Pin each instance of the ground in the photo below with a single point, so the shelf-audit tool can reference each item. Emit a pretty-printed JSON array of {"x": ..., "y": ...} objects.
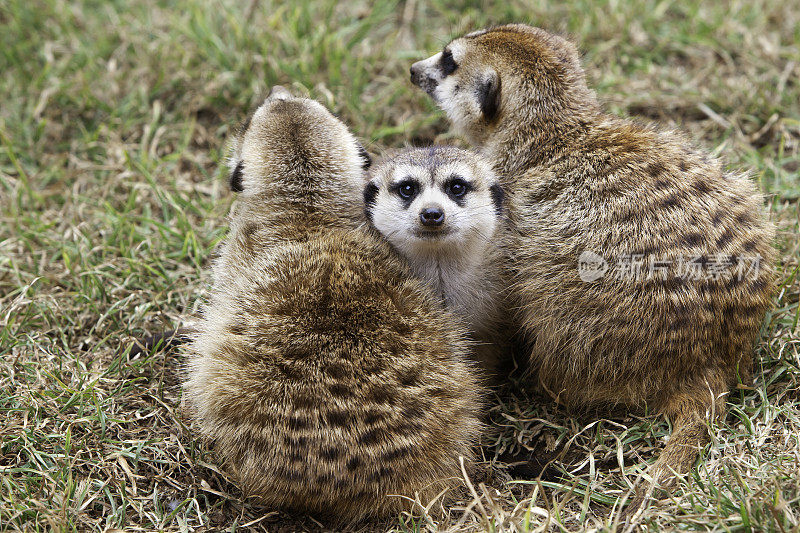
[{"x": 112, "y": 131}]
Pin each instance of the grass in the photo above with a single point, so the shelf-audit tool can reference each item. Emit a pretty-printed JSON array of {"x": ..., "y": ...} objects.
[{"x": 112, "y": 128}]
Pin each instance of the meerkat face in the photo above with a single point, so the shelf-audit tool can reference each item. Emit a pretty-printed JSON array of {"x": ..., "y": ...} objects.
[
  {"x": 478, "y": 76},
  {"x": 438, "y": 200},
  {"x": 463, "y": 85},
  {"x": 294, "y": 144}
]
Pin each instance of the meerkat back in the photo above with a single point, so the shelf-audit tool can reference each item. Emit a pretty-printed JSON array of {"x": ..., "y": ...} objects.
[{"x": 330, "y": 379}]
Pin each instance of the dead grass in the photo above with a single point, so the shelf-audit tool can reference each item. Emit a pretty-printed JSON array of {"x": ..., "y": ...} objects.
[{"x": 113, "y": 119}]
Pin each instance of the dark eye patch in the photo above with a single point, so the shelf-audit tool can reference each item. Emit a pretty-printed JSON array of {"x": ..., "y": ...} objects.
[
  {"x": 489, "y": 97},
  {"x": 457, "y": 188},
  {"x": 407, "y": 190},
  {"x": 447, "y": 63},
  {"x": 235, "y": 179}
]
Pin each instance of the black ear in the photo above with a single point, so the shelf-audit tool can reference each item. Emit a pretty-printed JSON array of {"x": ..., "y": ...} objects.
[
  {"x": 365, "y": 157},
  {"x": 370, "y": 192},
  {"x": 489, "y": 96},
  {"x": 235, "y": 179},
  {"x": 497, "y": 197}
]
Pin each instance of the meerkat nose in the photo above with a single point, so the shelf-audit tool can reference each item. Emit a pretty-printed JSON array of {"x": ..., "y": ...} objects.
[
  {"x": 431, "y": 216},
  {"x": 415, "y": 74}
]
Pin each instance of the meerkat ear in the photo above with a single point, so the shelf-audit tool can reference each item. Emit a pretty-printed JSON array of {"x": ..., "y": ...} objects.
[
  {"x": 489, "y": 95},
  {"x": 365, "y": 157},
  {"x": 235, "y": 179},
  {"x": 370, "y": 193},
  {"x": 498, "y": 195}
]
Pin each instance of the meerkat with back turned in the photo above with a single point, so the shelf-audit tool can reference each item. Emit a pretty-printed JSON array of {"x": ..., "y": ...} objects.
[
  {"x": 677, "y": 332},
  {"x": 331, "y": 380},
  {"x": 442, "y": 209}
]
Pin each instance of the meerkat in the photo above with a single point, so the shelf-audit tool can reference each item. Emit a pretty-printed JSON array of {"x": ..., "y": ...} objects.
[
  {"x": 331, "y": 380},
  {"x": 442, "y": 209},
  {"x": 591, "y": 197}
]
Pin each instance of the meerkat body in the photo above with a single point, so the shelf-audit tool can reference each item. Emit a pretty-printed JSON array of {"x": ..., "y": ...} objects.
[
  {"x": 442, "y": 209},
  {"x": 331, "y": 380},
  {"x": 591, "y": 188}
]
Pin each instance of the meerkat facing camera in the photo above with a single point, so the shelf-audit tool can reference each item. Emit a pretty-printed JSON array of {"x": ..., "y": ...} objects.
[
  {"x": 669, "y": 316},
  {"x": 331, "y": 380},
  {"x": 442, "y": 209}
]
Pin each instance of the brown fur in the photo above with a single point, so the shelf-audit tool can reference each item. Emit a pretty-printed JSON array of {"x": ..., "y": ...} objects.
[
  {"x": 581, "y": 180},
  {"x": 330, "y": 379}
]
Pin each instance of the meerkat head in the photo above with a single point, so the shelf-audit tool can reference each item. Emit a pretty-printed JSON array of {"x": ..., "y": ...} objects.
[
  {"x": 513, "y": 73},
  {"x": 294, "y": 148},
  {"x": 434, "y": 201}
]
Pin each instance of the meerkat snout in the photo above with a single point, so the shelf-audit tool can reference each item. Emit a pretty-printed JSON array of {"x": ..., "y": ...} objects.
[
  {"x": 468, "y": 91},
  {"x": 416, "y": 74},
  {"x": 428, "y": 73},
  {"x": 431, "y": 216}
]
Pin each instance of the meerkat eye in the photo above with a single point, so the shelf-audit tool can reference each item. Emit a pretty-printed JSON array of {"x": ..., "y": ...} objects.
[
  {"x": 448, "y": 64},
  {"x": 457, "y": 187},
  {"x": 407, "y": 189}
]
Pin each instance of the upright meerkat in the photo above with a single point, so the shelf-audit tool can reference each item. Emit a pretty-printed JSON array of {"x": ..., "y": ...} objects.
[
  {"x": 643, "y": 269},
  {"x": 442, "y": 209},
  {"x": 331, "y": 379}
]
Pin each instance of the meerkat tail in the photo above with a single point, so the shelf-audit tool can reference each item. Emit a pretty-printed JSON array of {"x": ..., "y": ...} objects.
[
  {"x": 690, "y": 433},
  {"x": 688, "y": 437},
  {"x": 162, "y": 341}
]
